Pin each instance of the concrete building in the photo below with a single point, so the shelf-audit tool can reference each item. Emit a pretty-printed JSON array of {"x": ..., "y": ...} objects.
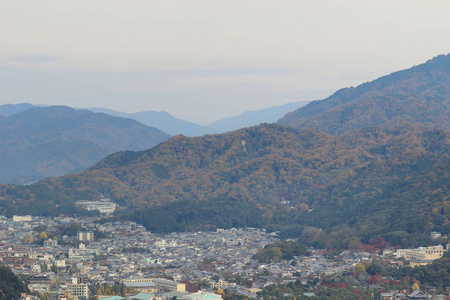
[
  {"x": 421, "y": 255},
  {"x": 161, "y": 284},
  {"x": 26, "y": 218},
  {"x": 220, "y": 284},
  {"x": 149, "y": 287},
  {"x": 106, "y": 208},
  {"x": 50, "y": 243},
  {"x": 85, "y": 236},
  {"x": 78, "y": 289}
]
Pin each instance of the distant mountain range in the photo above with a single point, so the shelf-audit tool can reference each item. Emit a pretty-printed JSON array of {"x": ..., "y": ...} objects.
[
  {"x": 8, "y": 110},
  {"x": 34, "y": 150},
  {"x": 174, "y": 126},
  {"x": 161, "y": 120},
  {"x": 41, "y": 142},
  {"x": 255, "y": 117},
  {"x": 371, "y": 161},
  {"x": 417, "y": 95}
]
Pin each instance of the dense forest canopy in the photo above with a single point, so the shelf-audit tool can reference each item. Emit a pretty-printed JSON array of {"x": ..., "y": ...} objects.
[{"x": 11, "y": 287}]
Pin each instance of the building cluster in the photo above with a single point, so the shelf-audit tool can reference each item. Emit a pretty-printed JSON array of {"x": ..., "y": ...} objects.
[{"x": 191, "y": 265}]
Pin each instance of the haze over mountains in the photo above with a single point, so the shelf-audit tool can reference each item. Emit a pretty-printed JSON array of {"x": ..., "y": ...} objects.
[
  {"x": 417, "y": 95},
  {"x": 161, "y": 120},
  {"x": 368, "y": 161},
  {"x": 42, "y": 142},
  {"x": 255, "y": 117},
  {"x": 173, "y": 126},
  {"x": 8, "y": 110},
  {"x": 34, "y": 151}
]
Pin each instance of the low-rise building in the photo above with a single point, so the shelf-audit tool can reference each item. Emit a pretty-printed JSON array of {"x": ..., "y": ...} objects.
[
  {"x": 106, "y": 208},
  {"x": 161, "y": 284},
  {"x": 78, "y": 289},
  {"x": 26, "y": 218}
]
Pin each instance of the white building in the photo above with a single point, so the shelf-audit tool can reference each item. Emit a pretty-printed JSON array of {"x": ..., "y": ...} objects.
[
  {"x": 106, "y": 208},
  {"x": 50, "y": 243},
  {"x": 421, "y": 255},
  {"x": 85, "y": 236},
  {"x": 161, "y": 284},
  {"x": 26, "y": 218}
]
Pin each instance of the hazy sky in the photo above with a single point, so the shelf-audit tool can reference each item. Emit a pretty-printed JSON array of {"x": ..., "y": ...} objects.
[{"x": 202, "y": 60}]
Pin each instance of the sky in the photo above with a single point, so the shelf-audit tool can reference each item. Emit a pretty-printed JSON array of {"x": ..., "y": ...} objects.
[{"x": 203, "y": 60}]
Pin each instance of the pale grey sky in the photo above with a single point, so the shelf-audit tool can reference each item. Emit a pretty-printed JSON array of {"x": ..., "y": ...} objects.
[{"x": 202, "y": 60}]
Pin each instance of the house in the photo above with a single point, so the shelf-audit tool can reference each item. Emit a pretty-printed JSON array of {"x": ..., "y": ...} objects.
[
  {"x": 387, "y": 296},
  {"x": 309, "y": 294}
]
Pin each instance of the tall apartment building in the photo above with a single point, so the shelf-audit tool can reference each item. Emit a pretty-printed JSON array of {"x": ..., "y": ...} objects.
[
  {"x": 50, "y": 243},
  {"x": 85, "y": 236}
]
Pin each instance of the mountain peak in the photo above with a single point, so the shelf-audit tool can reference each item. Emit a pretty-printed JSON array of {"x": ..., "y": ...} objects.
[{"x": 416, "y": 95}]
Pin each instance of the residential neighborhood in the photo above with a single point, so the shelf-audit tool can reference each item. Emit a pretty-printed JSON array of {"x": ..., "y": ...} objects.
[{"x": 93, "y": 258}]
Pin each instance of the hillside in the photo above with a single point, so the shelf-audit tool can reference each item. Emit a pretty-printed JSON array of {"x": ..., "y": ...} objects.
[
  {"x": 11, "y": 286},
  {"x": 161, "y": 120},
  {"x": 380, "y": 181},
  {"x": 42, "y": 142},
  {"x": 420, "y": 94},
  {"x": 255, "y": 117}
]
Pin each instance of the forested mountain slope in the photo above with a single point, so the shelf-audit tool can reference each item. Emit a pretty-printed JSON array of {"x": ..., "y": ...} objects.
[
  {"x": 376, "y": 180},
  {"x": 420, "y": 94},
  {"x": 41, "y": 142}
]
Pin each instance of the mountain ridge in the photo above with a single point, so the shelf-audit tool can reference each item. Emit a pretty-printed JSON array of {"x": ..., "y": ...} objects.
[
  {"x": 161, "y": 120},
  {"x": 254, "y": 117},
  {"x": 8, "y": 110},
  {"x": 412, "y": 95},
  {"x": 47, "y": 141}
]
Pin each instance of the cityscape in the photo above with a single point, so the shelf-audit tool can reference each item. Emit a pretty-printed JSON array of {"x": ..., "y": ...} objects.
[{"x": 81, "y": 258}]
